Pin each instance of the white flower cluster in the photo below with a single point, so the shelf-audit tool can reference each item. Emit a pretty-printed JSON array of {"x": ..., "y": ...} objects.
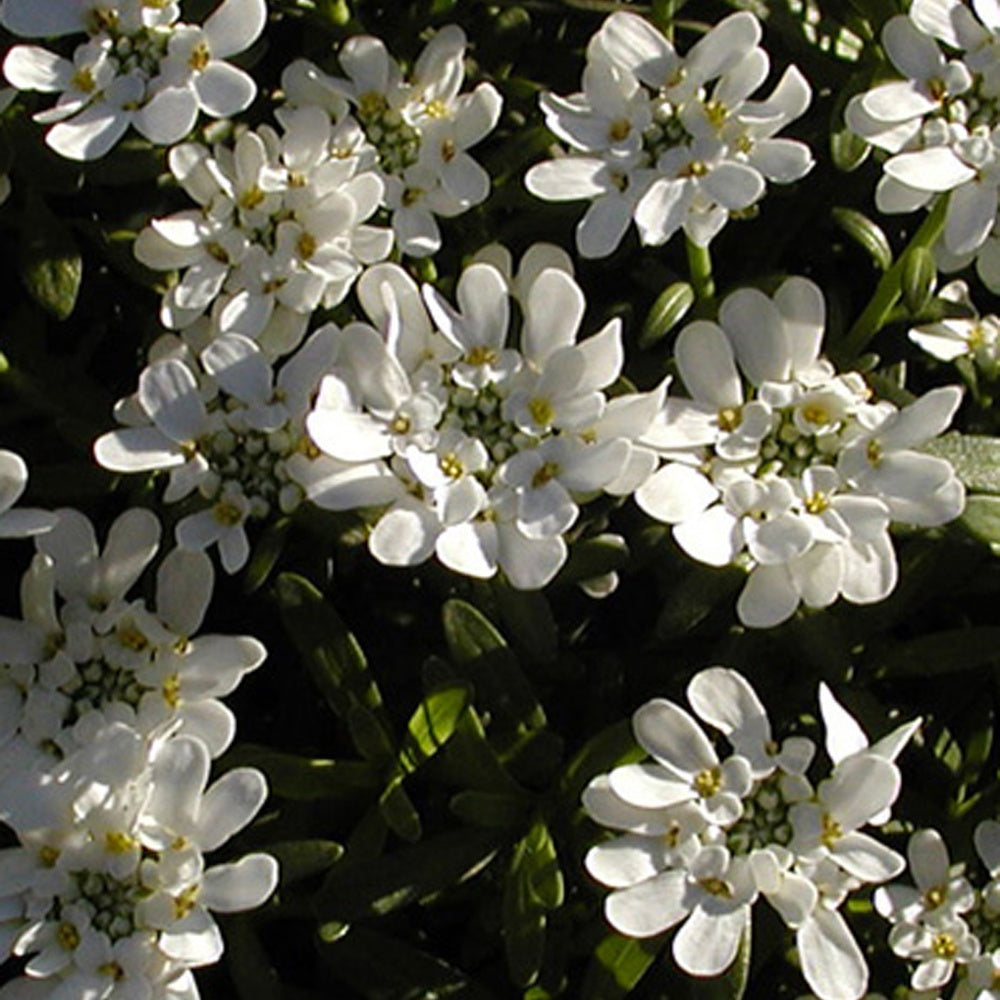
[
  {"x": 480, "y": 452},
  {"x": 414, "y": 132},
  {"x": 943, "y": 925},
  {"x": 780, "y": 465},
  {"x": 281, "y": 230},
  {"x": 230, "y": 432},
  {"x": 702, "y": 837},
  {"x": 109, "y": 720},
  {"x": 656, "y": 141},
  {"x": 140, "y": 67},
  {"x": 939, "y": 125}
]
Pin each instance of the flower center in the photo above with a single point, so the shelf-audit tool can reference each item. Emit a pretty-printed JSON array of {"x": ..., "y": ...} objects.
[
  {"x": 708, "y": 782},
  {"x": 944, "y": 945}
]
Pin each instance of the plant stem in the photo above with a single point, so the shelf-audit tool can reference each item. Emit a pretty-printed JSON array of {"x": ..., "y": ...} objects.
[
  {"x": 700, "y": 270},
  {"x": 888, "y": 292}
]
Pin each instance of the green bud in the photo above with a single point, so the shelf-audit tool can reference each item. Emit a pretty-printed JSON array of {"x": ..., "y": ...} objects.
[
  {"x": 918, "y": 278},
  {"x": 865, "y": 233},
  {"x": 847, "y": 150},
  {"x": 667, "y": 311}
]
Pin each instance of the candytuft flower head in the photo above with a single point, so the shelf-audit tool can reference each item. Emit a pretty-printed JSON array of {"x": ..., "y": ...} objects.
[
  {"x": 486, "y": 452},
  {"x": 415, "y": 130},
  {"x": 778, "y": 464},
  {"x": 140, "y": 67},
  {"x": 938, "y": 125},
  {"x": 670, "y": 142},
  {"x": 702, "y": 837}
]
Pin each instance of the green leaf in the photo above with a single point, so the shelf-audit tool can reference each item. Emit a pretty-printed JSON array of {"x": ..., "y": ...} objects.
[
  {"x": 246, "y": 959},
  {"x": 593, "y": 557},
  {"x": 867, "y": 234},
  {"x": 541, "y": 867},
  {"x": 610, "y": 748},
  {"x": 848, "y": 150},
  {"x": 490, "y": 809},
  {"x": 433, "y": 724},
  {"x": 618, "y": 964},
  {"x": 527, "y": 616},
  {"x": 376, "y": 886},
  {"x": 469, "y": 760},
  {"x": 524, "y": 919},
  {"x": 305, "y": 779},
  {"x": 941, "y": 653},
  {"x": 49, "y": 260},
  {"x": 399, "y": 812},
  {"x": 981, "y": 518},
  {"x": 501, "y": 687},
  {"x": 301, "y": 859},
  {"x": 976, "y": 458},
  {"x": 379, "y": 967},
  {"x": 331, "y": 653},
  {"x": 266, "y": 554}
]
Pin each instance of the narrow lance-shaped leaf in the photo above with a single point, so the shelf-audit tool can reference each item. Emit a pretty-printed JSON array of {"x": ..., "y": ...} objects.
[
  {"x": 331, "y": 653},
  {"x": 376, "y": 886}
]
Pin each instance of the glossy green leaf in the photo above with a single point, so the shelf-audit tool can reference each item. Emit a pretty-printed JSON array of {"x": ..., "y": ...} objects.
[
  {"x": 848, "y": 150},
  {"x": 981, "y": 518},
  {"x": 524, "y": 920},
  {"x": 541, "y": 867},
  {"x": 265, "y": 555},
  {"x": 618, "y": 964},
  {"x": 527, "y": 617},
  {"x": 608, "y": 749},
  {"x": 376, "y": 886},
  {"x": 432, "y": 724},
  {"x": 594, "y": 557},
  {"x": 49, "y": 260}
]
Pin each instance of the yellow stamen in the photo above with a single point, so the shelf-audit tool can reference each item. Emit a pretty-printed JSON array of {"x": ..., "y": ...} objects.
[{"x": 708, "y": 782}]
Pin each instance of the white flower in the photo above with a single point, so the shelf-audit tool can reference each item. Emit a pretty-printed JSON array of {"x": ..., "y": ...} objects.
[
  {"x": 125, "y": 909},
  {"x": 16, "y": 522},
  {"x": 938, "y": 123},
  {"x": 769, "y": 464},
  {"x": 140, "y": 67},
  {"x": 976, "y": 337},
  {"x": 700, "y": 839},
  {"x": 282, "y": 229},
  {"x": 230, "y": 429},
  {"x": 416, "y": 130},
  {"x": 655, "y": 144},
  {"x": 486, "y": 451},
  {"x": 92, "y": 655}
]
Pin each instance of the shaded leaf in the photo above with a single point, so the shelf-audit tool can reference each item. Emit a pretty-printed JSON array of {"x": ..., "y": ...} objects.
[
  {"x": 304, "y": 778},
  {"x": 301, "y": 859},
  {"x": 618, "y": 964},
  {"x": 941, "y": 653},
  {"x": 49, "y": 262},
  {"x": 376, "y": 886}
]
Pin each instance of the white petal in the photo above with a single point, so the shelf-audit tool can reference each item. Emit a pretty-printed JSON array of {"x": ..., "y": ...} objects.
[
  {"x": 404, "y": 535},
  {"x": 241, "y": 885},
  {"x": 228, "y": 805},
  {"x": 768, "y": 598},
  {"x": 168, "y": 392},
  {"x": 707, "y": 365},
  {"x": 972, "y": 211},
  {"x": 234, "y": 26},
  {"x": 224, "y": 90},
  {"x": 712, "y": 537},
  {"x": 650, "y": 907},
  {"x": 832, "y": 962},
  {"x": 91, "y": 133},
  {"x": 934, "y": 169},
  {"x": 672, "y": 736},
  {"x": 168, "y": 117},
  {"x": 707, "y": 942},
  {"x": 568, "y": 179},
  {"x": 29, "y": 67}
]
